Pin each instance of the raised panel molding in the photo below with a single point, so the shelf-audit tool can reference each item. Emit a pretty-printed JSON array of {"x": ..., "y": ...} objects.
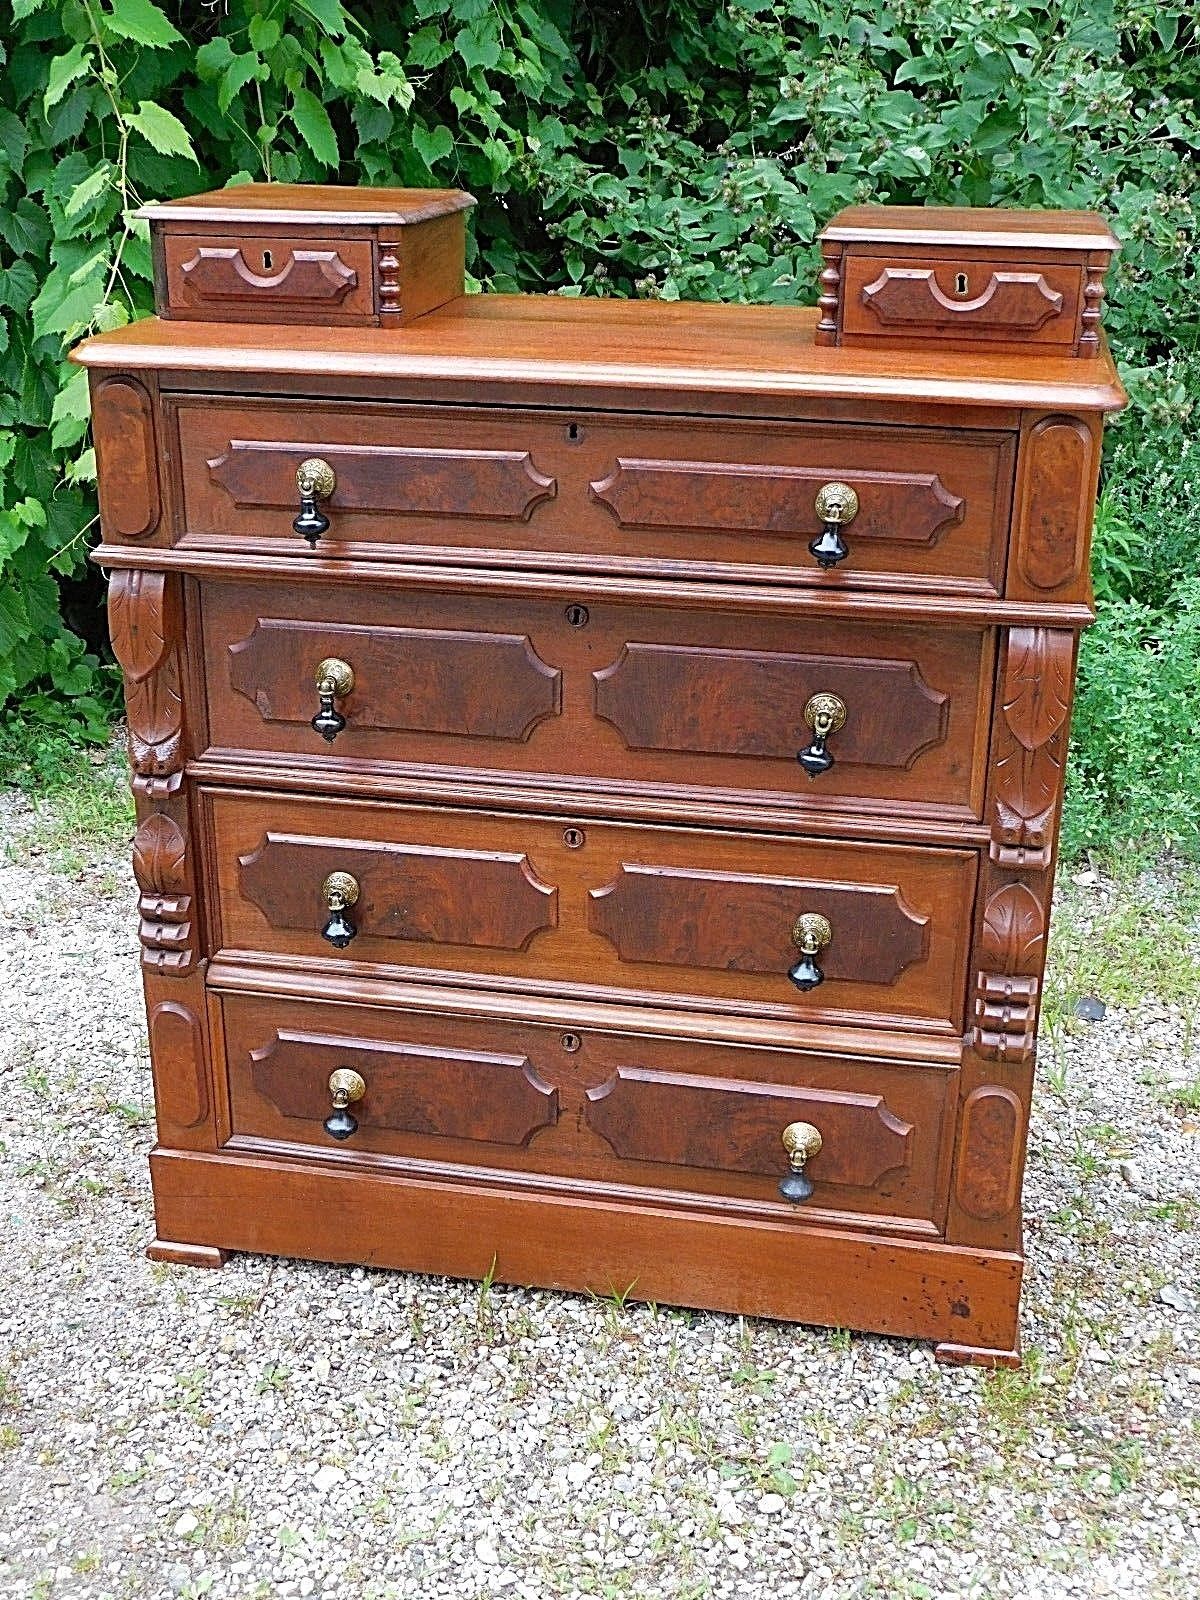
[
  {"x": 144, "y": 625},
  {"x": 737, "y": 922},
  {"x": 411, "y": 1088},
  {"x": 739, "y": 497},
  {"x": 911, "y": 296},
  {"x": 428, "y": 680},
  {"x": 309, "y": 276},
  {"x": 734, "y": 1125},
  {"x": 1030, "y": 745},
  {"x": 417, "y": 481},
  {"x": 750, "y": 702},
  {"x": 416, "y": 893}
]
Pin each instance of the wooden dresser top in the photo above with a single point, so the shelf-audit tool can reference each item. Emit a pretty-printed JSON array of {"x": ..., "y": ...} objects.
[{"x": 558, "y": 344}]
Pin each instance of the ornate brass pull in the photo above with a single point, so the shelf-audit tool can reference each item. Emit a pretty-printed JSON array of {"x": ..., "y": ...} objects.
[
  {"x": 801, "y": 1141},
  {"x": 340, "y": 891},
  {"x": 335, "y": 680},
  {"x": 811, "y": 934},
  {"x": 346, "y": 1086},
  {"x": 316, "y": 480},
  {"x": 825, "y": 714},
  {"x": 837, "y": 505}
]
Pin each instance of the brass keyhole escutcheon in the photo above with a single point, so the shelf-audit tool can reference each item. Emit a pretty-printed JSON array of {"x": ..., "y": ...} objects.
[
  {"x": 577, "y": 616},
  {"x": 570, "y": 1042},
  {"x": 802, "y": 1141},
  {"x": 825, "y": 714},
  {"x": 574, "y": 838},
  {"x": 810, "y": 934}
]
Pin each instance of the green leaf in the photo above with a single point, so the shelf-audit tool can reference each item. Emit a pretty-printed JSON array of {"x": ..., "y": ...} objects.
[
  {"x": 63, "y": 308},
  {"x": 90, "y": 190},
  {"x": 27, "y": 231},
  {"x": 162, "y": 129},
  {"x": 25, "y": 8},
  {"x": 241, "y": 71},
  {"x": 142, "y": 22},
  {"x": 477, "y": 47},
  {"x": 71, "y": 413},
  {"x": 314, "y": 127},
  {"x": 63, "y": 72},
  {"x": 328, "y": 13},
  {"x": 18, "y": 284},
  {"x": 14, "y": 141},
  {"x": 432, "y": 146},
  {"x": 212, "y": 58}
]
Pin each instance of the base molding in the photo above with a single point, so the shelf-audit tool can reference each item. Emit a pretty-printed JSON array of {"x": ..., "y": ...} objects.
[
  {"x": 964, "y": 1298},
  {"x": 971, "y": 1355},
  {"x": 186, "y": 1255}
]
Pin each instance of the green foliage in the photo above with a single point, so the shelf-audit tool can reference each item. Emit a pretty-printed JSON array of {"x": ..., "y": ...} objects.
[{"x": 661, "y": 147}]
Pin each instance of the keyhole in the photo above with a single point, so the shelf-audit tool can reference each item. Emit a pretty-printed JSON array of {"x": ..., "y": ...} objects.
[
  {"x": 577, "y": 616},
  {"x": 573, "y": 838},
  {"x": 570, "y": 1042},
  {"x": 960, "y": 283},
  {"x": 267, "y": 262},
  {"x": 574, "y": 433}
]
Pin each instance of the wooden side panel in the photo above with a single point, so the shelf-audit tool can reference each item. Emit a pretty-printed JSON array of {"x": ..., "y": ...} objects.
[
  {"x": 991, "y": 1151},
  {"x": 179, "y": 1051}
]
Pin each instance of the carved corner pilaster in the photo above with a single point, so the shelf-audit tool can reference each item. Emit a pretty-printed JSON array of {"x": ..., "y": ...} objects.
[
  {"x": 1031, "y": 746},
  {"x": 388, "y": 280},
  {"x": 1093, "y": 305},
  {"x": 163, "y": 868},
  {"x": 1012, "y": 955},
  {"x": 145, "y": 625},
  {"x": 830, "y": 296}
]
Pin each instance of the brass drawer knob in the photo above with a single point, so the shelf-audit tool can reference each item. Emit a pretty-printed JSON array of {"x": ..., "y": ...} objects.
[
  {"x": 316, "y": 480},
  {"x": 825, "y": 714},
  {"x": 837, "y": 504},
  {"x": 335, "y": 680},
  {"x": 810, "y": 934},
  {"x": 346, "y": 1086},
  {"x": 801, "y": 1141},
  {"x": 340, "y": 891}
]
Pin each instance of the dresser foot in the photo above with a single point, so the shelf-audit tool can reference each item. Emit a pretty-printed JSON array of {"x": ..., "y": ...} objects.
[
  {"x": 187, "y": 1255},
  {"x": 971, "y": 1355}
]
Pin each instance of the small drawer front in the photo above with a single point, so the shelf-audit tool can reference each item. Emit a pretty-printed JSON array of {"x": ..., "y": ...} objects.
[
  {"x": 650, "y": 494},
  {"x": 286, "y": 279},
  {"x": 975, "y": 299},
  {"x": 596, "y": 908},
  {"x": 623, "y": 695},
  {"x": 589, "y": 1106}
]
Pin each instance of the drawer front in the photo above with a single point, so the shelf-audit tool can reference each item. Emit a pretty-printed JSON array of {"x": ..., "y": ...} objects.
[
  {"x": 686, "y": 700},
  {"x": 285, "y": 278},
  {"x": 644, "y": 493},
  {"x": 589, "y": 1106},
  {"x": 972, "y": 298},
  {"x": 600, "y": 908}
]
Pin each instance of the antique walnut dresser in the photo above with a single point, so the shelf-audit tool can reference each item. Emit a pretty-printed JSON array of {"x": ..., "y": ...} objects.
[{"x": 598, "y": 764}]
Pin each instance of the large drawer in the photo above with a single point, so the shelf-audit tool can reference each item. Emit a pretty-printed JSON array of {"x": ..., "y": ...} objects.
[
  {"x": 586, "y": 491},
  {"x": 706, "y": 918},
  {"x": 633, "y": 697},
  {"x": 594, "y": 1107}
]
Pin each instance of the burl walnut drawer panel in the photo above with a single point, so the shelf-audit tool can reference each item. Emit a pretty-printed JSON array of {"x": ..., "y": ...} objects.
[
  {"x": 963, "y": 298},
  {"x": 598, "y": 908},
  {"x": 645, "y": 493},
  {"x": 591, "y": 1107},
  {"x": 283, "y": 278},
  {"x": 632, "y": 697}
]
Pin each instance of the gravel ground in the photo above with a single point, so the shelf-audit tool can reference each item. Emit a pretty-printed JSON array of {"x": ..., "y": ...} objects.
[{"x": 281, "y": 1428}]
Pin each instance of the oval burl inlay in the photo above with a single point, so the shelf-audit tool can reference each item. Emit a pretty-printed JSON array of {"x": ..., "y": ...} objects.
[
  {"x": 1055, "y": 504},
  {"x": 180, "y": 1076},
  {"x": 126, "y": 459},
  {"x": 989, "y": 1152}
]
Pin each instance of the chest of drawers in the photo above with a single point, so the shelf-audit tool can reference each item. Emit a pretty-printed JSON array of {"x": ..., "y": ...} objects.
[{"x": 598, "y": 764}]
